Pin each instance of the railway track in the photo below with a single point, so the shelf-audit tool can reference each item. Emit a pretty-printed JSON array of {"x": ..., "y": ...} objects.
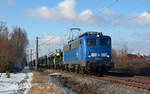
[
  {"x": 142, "y": 77},
  {"x": 127, "y": 81},
  {"x": 135, "y": 81},
  {"x": 131, "y": 79}
]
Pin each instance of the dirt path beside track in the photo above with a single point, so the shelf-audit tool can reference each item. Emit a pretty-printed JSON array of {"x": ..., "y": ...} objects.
[{"x": 42, "y": 85}]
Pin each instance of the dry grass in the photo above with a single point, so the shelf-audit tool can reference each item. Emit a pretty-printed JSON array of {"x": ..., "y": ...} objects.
[
  {"x": 44, "y": 89},
  {"x": 79, "y": 87},
  {"x": 136, "y": 66},
  {"x": 40, "y": 85}
]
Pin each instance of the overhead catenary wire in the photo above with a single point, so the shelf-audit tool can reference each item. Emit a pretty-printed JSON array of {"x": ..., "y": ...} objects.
[
  {"x": 115, "y": 21},
  {"x": 109, "y": 6},
  {"x": 106, "y": 7},
  {"x": 136, "y": 16},
  {"x": 46, "y": 42}
]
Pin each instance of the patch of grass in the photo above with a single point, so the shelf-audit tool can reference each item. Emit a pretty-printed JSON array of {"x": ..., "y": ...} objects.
[
  {"x": 23, "y": 81},
  {"x": 8, "y": 74},
  {"x": 40, "y": 85},
  {"x": 136, "y": 66},
  {"x": 80, "y": 88}
]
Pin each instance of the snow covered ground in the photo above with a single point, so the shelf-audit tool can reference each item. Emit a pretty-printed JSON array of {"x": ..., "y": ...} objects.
[{"x": 17, "y": 83}]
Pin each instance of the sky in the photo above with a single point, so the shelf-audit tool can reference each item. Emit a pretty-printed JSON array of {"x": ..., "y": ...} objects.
[{"x": 126, "y": 21}]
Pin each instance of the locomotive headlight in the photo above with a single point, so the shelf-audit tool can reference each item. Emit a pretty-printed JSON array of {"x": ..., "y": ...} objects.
[
  {"x": 104, "y": 54},
  {"x": 93, "y": 54},
  {"x": 89, "y": 54},
  {"x": 108, "y": 56}
]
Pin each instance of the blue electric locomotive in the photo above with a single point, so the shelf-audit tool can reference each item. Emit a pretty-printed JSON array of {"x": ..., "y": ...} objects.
[{"x": 91, "y": 52}]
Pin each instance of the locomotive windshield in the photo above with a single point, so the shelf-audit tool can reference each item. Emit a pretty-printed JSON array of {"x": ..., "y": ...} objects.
[
  {"x": 105, "y": 41},
  {"x": 91, "y": 42}
]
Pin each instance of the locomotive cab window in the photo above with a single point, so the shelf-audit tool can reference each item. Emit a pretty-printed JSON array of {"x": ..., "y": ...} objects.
[
  {"x": 105, "y": 41},
  {"x": 80, "y": 42},
  {"x": 91, "y": 42}
]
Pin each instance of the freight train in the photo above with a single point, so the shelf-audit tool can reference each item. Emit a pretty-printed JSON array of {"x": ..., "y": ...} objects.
[{"x": 90, "y": 53}]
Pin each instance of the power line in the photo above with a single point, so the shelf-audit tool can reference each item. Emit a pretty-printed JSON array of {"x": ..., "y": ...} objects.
[
  {"x": 112, "y": 4},
  {"x": 108, "y": 6}
]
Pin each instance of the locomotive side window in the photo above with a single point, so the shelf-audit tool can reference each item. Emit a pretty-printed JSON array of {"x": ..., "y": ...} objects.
[
  {"x": 80, "y": 42},
  {"x": 70, "y": 47},
  {"x": 75, "y": 45},
  {"x": 91, "y": 42},
  {"x": 105, "y": 41},
  {"x": 66, "y": 48}
]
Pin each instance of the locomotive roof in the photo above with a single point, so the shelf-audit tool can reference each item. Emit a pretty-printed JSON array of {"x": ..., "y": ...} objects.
[
  {"x": 87, "y": 34},
  {"x": 90, "y": 33}
]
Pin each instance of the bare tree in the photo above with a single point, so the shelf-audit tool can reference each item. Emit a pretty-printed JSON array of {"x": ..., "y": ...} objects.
[
  {"x": 149, "y": 54},
  {"x": 124, "y": 51},
  {"x": 3, "y": 26},
  {"x": 12, "y": 48},
  {"x": 5, "y": 49},
  {"x": 19, "y": 41},
  {"x": 114, "y": 54}
]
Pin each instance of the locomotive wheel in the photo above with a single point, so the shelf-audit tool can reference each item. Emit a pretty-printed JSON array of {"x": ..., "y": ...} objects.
[
  {"x": 100, "y": 74},
  {"x": 73, "y": 67},
  {"x": 70, "y": 69},
  {"x": 66, "y": 67},
  {"x": 100, "y": 71},
  {"x": 82, "y": 70},
  {"x": 63, "y": 67},
  {"x": 77, "y": 68}
]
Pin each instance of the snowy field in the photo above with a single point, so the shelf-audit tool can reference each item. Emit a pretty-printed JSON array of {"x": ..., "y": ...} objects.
[{"x": 18, "y": 83}]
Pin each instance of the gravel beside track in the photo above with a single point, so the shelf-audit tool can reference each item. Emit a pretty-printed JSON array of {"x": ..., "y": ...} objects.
[{"x": 108, "y": 84}]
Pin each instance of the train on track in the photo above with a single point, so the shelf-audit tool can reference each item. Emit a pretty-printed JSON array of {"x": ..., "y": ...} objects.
[{"x": 90, "y": 52}]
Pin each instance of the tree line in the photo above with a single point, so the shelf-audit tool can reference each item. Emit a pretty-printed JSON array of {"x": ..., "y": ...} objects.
[
  {"x": 131, "y": 63},
  {"x": 124, "y": 53},
  {"x": 12, "y": 48}
]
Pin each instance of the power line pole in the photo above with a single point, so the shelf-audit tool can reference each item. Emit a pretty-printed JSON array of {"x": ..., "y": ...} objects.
[
  {"x": 36, "y": 58},
  {"x": 31, "y": 56},
  {"x": 27, "y": 57}
]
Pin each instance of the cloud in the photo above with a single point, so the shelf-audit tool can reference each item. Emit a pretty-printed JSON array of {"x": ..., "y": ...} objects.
[
  {"x": 64, "y": 11},
  {"x": 137, "y": 42},
  {"x": 48, "y": 39},
  {"x": 11, "y": 2},
  {"x": 114, "y": 18},
  {"x": 49, "y": 43},
  {"x": 88, "y": 17},
  {"x": 142, "y": 19},
  {"x": 107, "y": 12}
]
